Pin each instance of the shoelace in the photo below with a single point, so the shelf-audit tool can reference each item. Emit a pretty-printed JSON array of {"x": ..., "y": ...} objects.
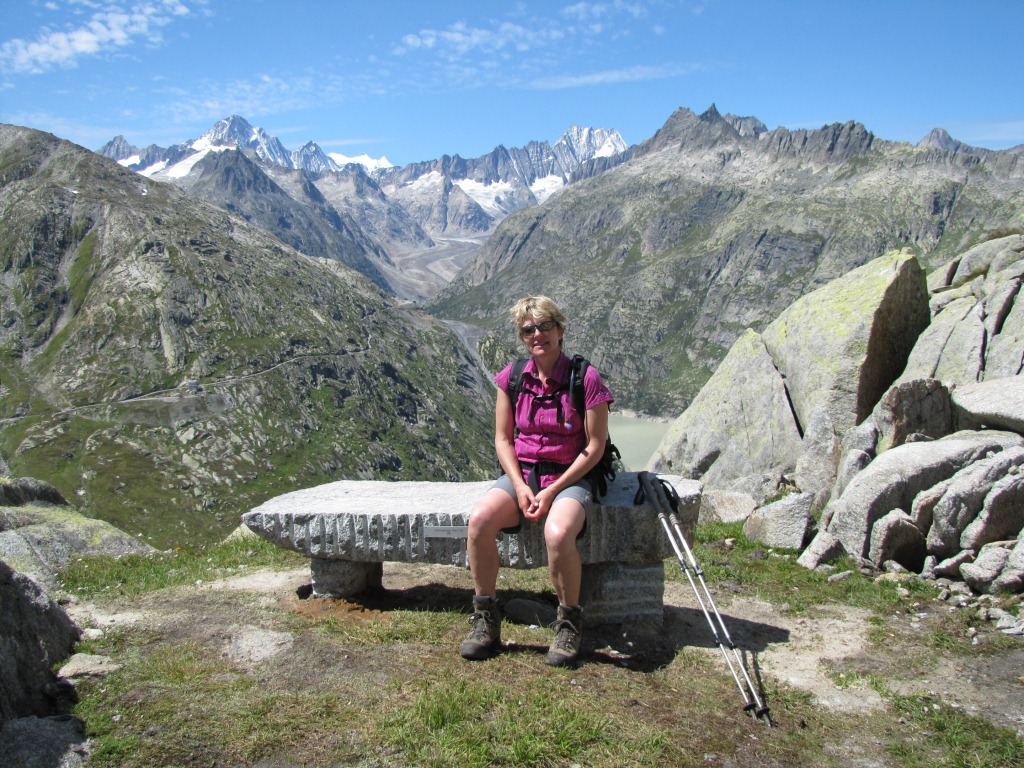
[
  {"x": 480, "y": 621},
  {"x": 565, "y": 633}
]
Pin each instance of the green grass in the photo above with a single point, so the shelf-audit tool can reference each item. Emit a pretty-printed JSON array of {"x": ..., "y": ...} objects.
[
  {"x": 957, "y": 740},
  {"x": 136, "y": 574},
  {"x": 779, "y": 579},
  {"x": 180, "y": 707},
  {"x": 483, "y": 724}
]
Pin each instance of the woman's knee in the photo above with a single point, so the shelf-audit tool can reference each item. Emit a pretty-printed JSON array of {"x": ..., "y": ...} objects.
[
  {"x": 563, "y": 526},
  {"x": 489, "y": 515}
]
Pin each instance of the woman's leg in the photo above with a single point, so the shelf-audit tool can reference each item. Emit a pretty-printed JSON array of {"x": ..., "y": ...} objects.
[
  {"x": 564, "y": 523},
  {"x": 495, "y": 510}
]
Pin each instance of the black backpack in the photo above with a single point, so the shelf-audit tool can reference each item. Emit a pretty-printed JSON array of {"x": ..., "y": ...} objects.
[{"x": 604, "y": 471}]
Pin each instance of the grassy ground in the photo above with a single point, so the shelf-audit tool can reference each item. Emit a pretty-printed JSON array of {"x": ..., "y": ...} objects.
[{"x": 378, "y": 682}]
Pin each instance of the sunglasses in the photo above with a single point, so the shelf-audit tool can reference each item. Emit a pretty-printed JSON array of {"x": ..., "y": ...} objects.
[{"x": 528, "y": 330}]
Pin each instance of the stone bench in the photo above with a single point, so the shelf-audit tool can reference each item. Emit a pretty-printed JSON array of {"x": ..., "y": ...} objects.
[{"x": 349, "y": 528}]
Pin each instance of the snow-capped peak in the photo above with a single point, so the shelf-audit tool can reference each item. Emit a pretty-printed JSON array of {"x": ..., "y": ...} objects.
[{"x": 369, "y": 163}]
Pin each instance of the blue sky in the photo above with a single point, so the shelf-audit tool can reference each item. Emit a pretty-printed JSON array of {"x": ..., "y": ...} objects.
[{"x": 413, "y": 80}]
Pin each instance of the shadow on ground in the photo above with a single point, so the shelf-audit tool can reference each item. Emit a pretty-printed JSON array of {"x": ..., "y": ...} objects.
[{"x": 643, "y": 647}]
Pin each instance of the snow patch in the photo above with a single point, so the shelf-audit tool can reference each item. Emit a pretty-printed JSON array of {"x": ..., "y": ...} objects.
[
  {"x": 544, "y": 188},
  {"x": 183, "y": 167},
  {"x": 129, "y": 160},
  {"x": 152, "y": 170},
  {"x": 486, "y": 195},
  {"x": 425, "y": 181},
  {"x": 369, "y": 163}
]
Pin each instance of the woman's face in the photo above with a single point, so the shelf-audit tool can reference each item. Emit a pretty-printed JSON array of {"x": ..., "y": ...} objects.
[{"x": 541, "y": 335}]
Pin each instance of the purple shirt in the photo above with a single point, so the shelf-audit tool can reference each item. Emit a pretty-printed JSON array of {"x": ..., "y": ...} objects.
[{"x": 552, "y": 430}]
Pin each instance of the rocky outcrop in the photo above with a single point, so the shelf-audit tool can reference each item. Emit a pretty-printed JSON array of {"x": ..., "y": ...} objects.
[
  {"x": 977, "y": 328},
  {"x": 739, "y": 425},
  {"x": 910, "y": 434},
  {"x": 35, "y": 634},
  {"x": 40, "y": 534},
  {"x": 819, "y": 368}
]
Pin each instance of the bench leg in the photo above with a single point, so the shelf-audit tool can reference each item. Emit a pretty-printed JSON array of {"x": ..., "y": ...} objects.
[
  {"x": 613, "y": 593},
  {"x": 343, "y": 578}
]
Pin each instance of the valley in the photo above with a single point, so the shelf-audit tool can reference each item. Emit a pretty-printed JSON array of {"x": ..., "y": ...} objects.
[{"x": 419, "y": 275}]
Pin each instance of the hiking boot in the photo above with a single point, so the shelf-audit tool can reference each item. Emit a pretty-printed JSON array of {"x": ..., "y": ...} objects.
[
  {"x": 485, "y": 636},
  {"x": 568, "y": 631}
]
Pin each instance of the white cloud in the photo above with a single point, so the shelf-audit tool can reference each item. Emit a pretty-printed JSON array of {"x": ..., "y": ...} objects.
[
  {"x": 460, "y": 40},
  {"x": 611, "y": 76},
  {"x": 585, "y": 11},
  {"x": 262, "y": 95},
  {"x": 116, "y": 26}
]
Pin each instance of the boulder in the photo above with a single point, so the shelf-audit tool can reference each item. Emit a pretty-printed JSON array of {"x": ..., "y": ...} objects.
[
  {"x": 41, "y": 540},
  {"x": 989, "y": 564},
  {"x": 740, "y": 424},
  {"x": 893, "y": 479},
  {"x": 842, "y": 346},
  {"x": 826, "y": 360},
  {"x": 785, "y": 524},
  {"x": 824, "y": 548},
  {"x": 1001, "y": 516},
  {"x": 992, "y": 404},
  {"x": 816, "y": 468},
  {"x": 44, "y": 742},
  {"x": 1004, "y": 355},
  {"x": 950, "y": 567},
  {"x": 850, "y": 465},
  {"x": 894, "y": 537},
  {"x": 1011, "y": 578},
  {"x": 725, "y": 507},
  {"x": 914, "y": 407},
  {"x": 20, "y": 491},
  {"x": 922, "y": 511},
  {"x": 992, "y": 256},
  {"x": 35, "y": 634},
  {"x": 977, "y": 328},
  {"x": 964, "y": 498}
]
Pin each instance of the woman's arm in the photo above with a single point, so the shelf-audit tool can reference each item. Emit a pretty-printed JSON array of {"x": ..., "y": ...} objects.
[{"x": 505, "y": 448}]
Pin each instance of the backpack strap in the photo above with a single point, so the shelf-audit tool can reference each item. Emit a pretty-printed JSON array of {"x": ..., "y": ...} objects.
[
  {"x": 577, "y": 371},
  {"x": 516, "y": 380}
]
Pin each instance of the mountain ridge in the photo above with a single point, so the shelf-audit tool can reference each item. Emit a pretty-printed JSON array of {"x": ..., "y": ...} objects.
[
  {"x": 169, "y": 364},
  {"x": 412, "y": 210},
  {"x": 705, "y": 231}
]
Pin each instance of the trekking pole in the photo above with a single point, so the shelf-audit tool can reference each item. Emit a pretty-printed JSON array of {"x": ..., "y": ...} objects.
[{"x": 662, "y": 495}]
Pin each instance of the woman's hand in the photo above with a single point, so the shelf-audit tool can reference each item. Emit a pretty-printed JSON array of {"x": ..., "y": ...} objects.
[
  {"x": 539, "y": 506},
  {"x": 525, "y": 499}
]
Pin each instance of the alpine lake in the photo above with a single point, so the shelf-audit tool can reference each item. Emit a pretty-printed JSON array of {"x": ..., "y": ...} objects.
[{"x": 636, "y": 437}]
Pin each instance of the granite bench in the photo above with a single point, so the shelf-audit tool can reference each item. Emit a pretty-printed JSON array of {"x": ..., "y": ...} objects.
[{"x": 349, "y": 528}]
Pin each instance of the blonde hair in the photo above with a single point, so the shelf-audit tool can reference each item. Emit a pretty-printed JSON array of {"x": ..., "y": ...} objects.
[{"x": 536, "y": 306}]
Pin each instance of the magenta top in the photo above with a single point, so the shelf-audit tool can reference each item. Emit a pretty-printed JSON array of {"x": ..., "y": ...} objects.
[{"x": 551, "y": 430}]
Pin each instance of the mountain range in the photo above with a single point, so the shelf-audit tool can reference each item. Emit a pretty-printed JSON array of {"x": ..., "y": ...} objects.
[
  {"x": 169, "y": 365},
  {"x": 383, "y": 221}
]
